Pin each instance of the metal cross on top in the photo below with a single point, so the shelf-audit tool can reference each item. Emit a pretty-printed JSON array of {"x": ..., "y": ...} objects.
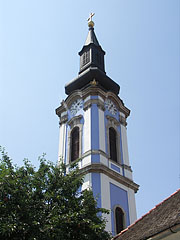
[{"x": 90, "y": 17}]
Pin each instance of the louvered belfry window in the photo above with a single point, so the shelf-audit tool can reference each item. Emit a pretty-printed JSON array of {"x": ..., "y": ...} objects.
[
  {"x": 75, "y": 144},
  {"x": 119, "y": 215},
  {"x": 112, "y": 143},
  {"x": 86, "y": 58}
]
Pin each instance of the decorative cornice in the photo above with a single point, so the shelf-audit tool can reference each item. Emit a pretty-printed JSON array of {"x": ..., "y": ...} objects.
[
  {"x": 74, "y": 121},
  {"x": 100, "y": 168},
  {"x": 123, "y": 120},
  {"x": 73, "y": 97},
  {"x": 89, "y": 103},
  {"x": 100, "y": 105},
  {"x": 90, "y": 152},
  {"x": 94, "y": 90},
  {"x": 62, "y": 108},
  {"x": 127, "y": 167},
  {"x": 63, "y": 119},
  {"x": 112, "y": 119}
]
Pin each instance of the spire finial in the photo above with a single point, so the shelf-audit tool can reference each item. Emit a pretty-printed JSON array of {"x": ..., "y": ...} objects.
[{"x": 90, "y": 22}]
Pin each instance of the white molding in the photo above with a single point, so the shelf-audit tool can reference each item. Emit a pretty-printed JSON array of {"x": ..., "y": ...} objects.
[
  {"x": 105, "y": 199},
  {"x": 87, "y": 131},
  {"x": 62, "y": 142},
  {"x": 132, "y": 206},
  {"x": 101, "y": 130},
  {"x": 74, "y": 122},
  {"x": 124, "y": 145},
  {"x": 124, "y": 217}
]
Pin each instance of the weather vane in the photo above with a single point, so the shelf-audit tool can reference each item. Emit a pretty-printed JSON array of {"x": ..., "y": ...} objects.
[{"x": 90, "y": 22}]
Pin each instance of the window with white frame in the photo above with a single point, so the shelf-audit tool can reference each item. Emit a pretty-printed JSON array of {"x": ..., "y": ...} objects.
[
  {"x": 74, "y": 139},
  {"x": 113, "y": 144},
  {"x": 74, "y": 144}
]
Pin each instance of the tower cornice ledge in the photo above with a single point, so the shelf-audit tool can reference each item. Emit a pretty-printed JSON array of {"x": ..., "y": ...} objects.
[
  {"x": 90, "y": 74},
  {"x": 100, "y": 168},
  {"x": 94, "y": 91}
]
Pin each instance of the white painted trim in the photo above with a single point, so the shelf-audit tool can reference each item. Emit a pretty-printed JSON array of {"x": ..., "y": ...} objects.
[
  {"x": 100, "y": 98},
  {"x": 87, "y": 99},
  {"x": 87, "y": 130},
  {"x": 86, "y": 161},
  {"x": 87, "y": 184},
  {"x": 124, "y": 217},
  {"x": 111, "y": 123},
  {"x": 124, "y": 145},
  {"x": 132, "y": 206},
  {"x": 104, "y": 160},
  {"x": 101, "y": 130},
  {"x": 105, "y": 199},
  {"x": 80, "y": 126},
  {"x": 122, "y": 114},
  {"x": 62, "y": 141},
  {"x": 128, "y": 174}
]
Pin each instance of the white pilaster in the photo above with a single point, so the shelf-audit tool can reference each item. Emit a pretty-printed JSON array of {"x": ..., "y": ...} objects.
[
  {"x": 132, "y": 205},
  {"x": 101, "y": 130},
  {"x": 105, "y": 199},
  {"x": 87, "y": 130},
  {"x": 62, "y": 141},
  {"x": 124, "y": 145},
  {"x": 87, "y": 184}
]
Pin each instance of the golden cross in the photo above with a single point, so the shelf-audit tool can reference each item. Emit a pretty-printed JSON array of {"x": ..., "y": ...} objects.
[{"x": 90, "y": 17}]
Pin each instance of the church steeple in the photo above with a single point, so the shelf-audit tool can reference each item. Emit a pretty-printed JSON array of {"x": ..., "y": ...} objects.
[
  {"x": 91, "y": 55},
  {"x": 92, "y": 66},
  {"x": 93, "y": 128}
]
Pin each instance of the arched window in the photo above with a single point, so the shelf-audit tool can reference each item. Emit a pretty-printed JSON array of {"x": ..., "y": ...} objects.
[
  {"x": 112, "y": 144},
  {"x": 119, "y": 216},
  {"x": 75, "y": 144}
]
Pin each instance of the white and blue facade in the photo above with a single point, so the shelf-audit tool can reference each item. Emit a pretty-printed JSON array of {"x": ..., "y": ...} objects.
[{"x": 95, "y": 108}]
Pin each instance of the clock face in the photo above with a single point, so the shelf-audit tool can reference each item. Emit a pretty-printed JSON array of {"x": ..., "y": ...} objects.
[
  {"x": 110, "y": 106},
  {"x": 76, "y": 106}
]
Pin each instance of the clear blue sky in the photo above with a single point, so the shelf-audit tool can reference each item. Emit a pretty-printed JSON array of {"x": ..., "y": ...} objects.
[{"x": 39, "y": 42}]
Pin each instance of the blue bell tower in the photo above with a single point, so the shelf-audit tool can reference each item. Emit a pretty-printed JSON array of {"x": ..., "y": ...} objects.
[{"x": 93, "y": 125}]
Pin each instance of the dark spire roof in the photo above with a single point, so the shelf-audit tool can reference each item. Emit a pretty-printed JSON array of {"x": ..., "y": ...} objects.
[
  {"x": 92, "y": 66},
  {"x": 91, "y": 38},
  {"x": 91, "y": 55}
]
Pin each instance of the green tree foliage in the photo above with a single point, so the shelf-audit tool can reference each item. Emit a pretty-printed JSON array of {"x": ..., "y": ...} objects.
[{"x": 46, "y": 204}]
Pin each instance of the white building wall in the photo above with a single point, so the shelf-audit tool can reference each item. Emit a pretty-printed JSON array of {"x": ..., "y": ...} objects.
[
  {"x": 105, "y": 199},
  {"x": 86, "y": 161},
  {"x": 125, "y": 145},
  {"x": 101, "y": 130},
  {"x": 104, "y": 160},
  {"x": 87, "y": 130},
  {"x": 87, "y": 182},
  {"x": 128, "y": 173},
  {"x": 62, "y": 141},
  {"x": 132, "y": 206}
]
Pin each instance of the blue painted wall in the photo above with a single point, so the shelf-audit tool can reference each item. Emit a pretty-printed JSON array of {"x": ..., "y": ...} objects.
[
  {"x": 118, "y": 196},
  {"x": 94, "y": 127},
  {"x": 96, "y": 187},
  {"x": 114, "y": 167}
]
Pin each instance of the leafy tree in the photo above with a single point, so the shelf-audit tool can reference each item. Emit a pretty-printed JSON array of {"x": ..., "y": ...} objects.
[{"x": 46, "y": 204}]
